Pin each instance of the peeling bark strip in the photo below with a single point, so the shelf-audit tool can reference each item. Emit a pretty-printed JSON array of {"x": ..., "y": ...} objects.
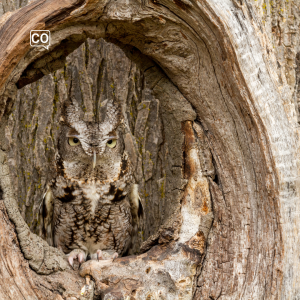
[
  {"x": 196, "y": 207},
  {"x": 220, "y": 63}
]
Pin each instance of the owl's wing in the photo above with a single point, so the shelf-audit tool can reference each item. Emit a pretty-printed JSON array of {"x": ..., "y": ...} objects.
[
  {"x": 46, "y": 213},
  {"x": 136, "y": 206}
]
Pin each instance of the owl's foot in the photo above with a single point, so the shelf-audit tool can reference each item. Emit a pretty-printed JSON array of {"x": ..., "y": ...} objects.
[
  {"x": 76, "y": 254},
  {"x": 104, "y": 255}
]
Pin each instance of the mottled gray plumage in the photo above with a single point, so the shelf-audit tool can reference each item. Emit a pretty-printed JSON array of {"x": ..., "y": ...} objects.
[{"x": 93, "y": 203}]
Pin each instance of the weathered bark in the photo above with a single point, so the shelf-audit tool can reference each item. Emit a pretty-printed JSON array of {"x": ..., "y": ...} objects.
[{"x": 210, "y": 127}]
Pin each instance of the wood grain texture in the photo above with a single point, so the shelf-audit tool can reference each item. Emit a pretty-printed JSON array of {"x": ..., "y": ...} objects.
[
  {"x": 219, "y": 60},
  {"x": 18, "y": 281},
  {"x": 37, "y": 15}
]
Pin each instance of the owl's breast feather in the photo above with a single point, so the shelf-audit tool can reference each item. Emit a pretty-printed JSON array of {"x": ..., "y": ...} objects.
[{"x": 91, "y": 193}]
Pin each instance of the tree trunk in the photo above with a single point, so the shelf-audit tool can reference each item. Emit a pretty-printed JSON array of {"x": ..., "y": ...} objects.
[{"x": 209, "y": 92}]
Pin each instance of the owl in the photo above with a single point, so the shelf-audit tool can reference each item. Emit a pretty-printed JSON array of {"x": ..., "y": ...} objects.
[{"x": 91, "y": 208}]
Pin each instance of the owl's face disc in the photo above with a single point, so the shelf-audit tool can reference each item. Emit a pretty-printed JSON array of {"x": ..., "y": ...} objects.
[{"x": 89, "y": 149}]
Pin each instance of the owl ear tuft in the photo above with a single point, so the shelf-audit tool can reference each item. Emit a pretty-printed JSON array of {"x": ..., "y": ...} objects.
[
  {"x": 70, "y": 113},
  {"x": 113, "y": 115}
]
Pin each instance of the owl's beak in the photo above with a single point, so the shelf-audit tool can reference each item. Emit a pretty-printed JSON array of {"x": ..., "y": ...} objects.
[{"x": 94, "y": 159}]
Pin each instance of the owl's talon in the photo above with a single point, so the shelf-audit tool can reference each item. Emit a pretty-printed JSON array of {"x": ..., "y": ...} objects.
[
  {"x": 99, "y": 255},
  {"x": 81, "y": 257},
  {"x": 70, "y": 260},
  {"x": 114, "y": 256},
  {"x": 106, "y": 255},
  {"x": 76, "y": 254}
]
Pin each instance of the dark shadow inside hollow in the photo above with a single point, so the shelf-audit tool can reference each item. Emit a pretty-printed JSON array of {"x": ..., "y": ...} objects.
[
  {"x": 93, "y": 74},
  {"x": 50, "y": 62}
]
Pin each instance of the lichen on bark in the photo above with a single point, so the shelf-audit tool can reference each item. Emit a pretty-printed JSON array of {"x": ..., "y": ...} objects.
[{"x": 212, "y": 136}]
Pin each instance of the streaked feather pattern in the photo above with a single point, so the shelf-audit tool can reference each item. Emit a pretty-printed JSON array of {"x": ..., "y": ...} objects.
[{"x": 85, "y": 207}]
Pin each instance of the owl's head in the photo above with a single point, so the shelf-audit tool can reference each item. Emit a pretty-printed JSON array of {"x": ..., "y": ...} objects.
[{"x": 91, "y": 149}]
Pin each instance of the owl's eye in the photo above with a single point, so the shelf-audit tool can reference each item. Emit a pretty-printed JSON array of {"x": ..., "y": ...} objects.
[
  {"x": 111, "y": 143},
  {"x": 73, "y": 141}
]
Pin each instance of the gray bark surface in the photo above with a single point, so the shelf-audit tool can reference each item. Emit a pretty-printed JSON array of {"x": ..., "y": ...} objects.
[
  {"x": 209, "y": 91},
  {"x": 95, "y": 72}
]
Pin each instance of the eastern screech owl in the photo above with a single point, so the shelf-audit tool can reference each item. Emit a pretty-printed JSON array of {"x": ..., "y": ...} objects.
[{"x": 92, "y": 205}]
